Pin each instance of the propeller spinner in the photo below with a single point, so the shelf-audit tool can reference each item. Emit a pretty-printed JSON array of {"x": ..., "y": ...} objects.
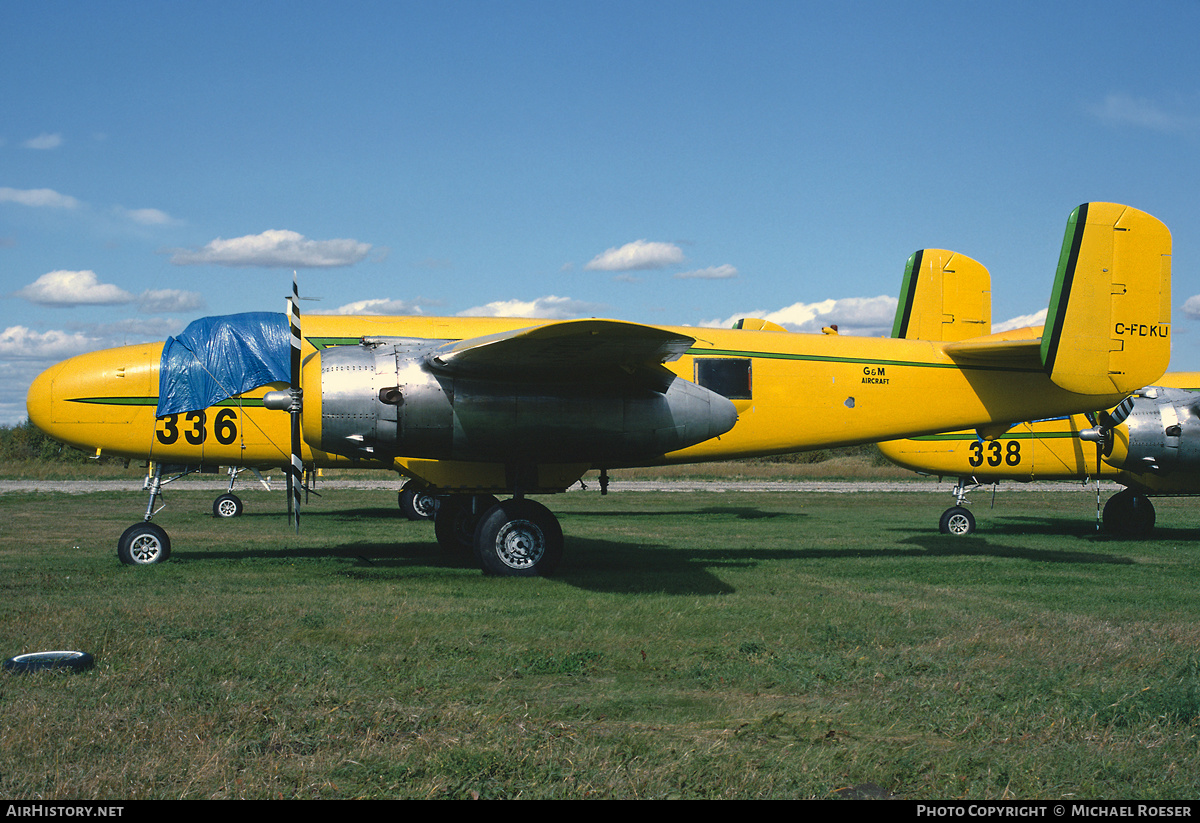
[{"x": 1104, "y": 422}]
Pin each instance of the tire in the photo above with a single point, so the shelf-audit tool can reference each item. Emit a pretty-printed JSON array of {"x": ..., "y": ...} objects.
[
  {"x": 957, "y": 521},
  {"x": 1129, "y": 514},
  {"x": 417, "y": 505},
  {"x": 227, "y": 505},
  {"x": 143, "y": 544},
  {"x": 456, "y": 518},
  {"x": 43, "y": 661},
  {"x": 519, "y": 538}
]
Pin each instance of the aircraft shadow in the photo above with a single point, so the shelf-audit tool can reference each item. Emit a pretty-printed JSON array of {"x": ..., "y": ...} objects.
[
  {"x": 943, "y": 545},
  {"x": 740, "y": 512},
  {"x": 383, "y": 513},
  {"x": 597, "y": 565},
  {"x": 1079, "y": 528},
  {"x": 629, "y": 566},
  {"x": 608, "y": 566}
]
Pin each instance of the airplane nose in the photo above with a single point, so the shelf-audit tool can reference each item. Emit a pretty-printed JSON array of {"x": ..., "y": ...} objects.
[
  {"x": 84, "y": 400},
  {"x": 38, "y": 401}
]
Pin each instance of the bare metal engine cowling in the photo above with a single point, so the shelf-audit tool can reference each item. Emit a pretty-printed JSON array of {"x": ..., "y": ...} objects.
[
  {"x": 1161, "y": 433},
  {"x": 391, "y": 399}
]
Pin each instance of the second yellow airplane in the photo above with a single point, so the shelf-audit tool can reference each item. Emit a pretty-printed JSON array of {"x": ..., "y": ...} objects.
[
  {"x": 471, "y": 408},
  {"x": 1150, "y": 444}
]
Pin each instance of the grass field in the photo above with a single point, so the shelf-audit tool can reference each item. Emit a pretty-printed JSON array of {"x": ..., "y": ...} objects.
[{"x": 693, "y": 645}]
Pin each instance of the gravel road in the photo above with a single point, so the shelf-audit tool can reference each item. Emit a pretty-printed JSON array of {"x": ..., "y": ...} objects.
[{"x": 812, "y": 486}]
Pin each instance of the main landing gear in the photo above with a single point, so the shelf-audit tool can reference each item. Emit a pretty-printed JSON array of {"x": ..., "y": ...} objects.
[
  {"x": 514, "y": 538},
  {"x": 1129, "y": 514},
  {"x": 417, "y": 504}
]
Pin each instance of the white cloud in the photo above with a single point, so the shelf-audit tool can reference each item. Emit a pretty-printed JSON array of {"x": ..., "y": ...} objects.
[
  {"x": 274, "y": 249},
  {"x": 860, "y": 316},
  {"x": 1123, "y": 109},
  {"x": 377, "y": 306},
  {"x": 73, "y": 288},
  {"x": 145, "y": 217},
  {"x": 640, "y": 254},
  {"x": 164, "y": 301},
  {"x": 38, "y": 198},
  {"x": 1038, "y": 318},
  {"x": 548, "y": 308},
  {"x": 725, "y": 272},
  {"x": 44, "y": 141},
  {"x": 21, "y": 343}
]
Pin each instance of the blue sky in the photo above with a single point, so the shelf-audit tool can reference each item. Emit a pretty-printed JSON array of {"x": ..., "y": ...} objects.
[{"x": 661, "y": 162}]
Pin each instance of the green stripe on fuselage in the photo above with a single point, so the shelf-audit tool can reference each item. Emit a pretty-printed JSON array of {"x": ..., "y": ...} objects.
[
  {"x": 871, "y": 361},
  {"x": 253, "y": 402}
]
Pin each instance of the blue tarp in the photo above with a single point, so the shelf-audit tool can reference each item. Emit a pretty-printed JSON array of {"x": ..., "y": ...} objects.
[{"x": 217, "y": 357}]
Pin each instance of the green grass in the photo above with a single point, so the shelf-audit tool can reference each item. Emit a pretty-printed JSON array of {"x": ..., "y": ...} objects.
[{"x": 692, "y": 645}]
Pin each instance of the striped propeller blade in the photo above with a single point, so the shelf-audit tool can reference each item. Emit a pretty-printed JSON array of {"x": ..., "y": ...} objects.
[{"x": 296, "y": 467}]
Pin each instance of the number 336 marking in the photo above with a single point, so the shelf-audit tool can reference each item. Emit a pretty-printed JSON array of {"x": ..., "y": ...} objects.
[{"x": 195, "y": 428}]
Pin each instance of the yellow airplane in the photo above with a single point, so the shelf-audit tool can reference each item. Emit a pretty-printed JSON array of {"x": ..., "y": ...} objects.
[
  {"x": 1150, "y": 444},
  {"x": 469, "y": 408}
]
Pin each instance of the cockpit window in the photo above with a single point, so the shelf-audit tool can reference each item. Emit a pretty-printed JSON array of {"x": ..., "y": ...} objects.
[{"x": 727, "y": 376}]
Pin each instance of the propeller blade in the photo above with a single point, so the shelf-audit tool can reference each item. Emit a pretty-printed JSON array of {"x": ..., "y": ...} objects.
[
  {"x": 296, "y": 469},
  {"x": 1118, "y": 415}
]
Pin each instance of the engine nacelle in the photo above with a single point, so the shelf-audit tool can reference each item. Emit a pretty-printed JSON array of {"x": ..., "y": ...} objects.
[
  {"x": 390, "y": 399},
  {"x": 1161, "y": 434}
]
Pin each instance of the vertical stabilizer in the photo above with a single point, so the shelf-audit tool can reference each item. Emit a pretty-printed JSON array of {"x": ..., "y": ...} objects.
[
  {"x": 945, "y": 296},
  {"x": 1109, "y": 322}
]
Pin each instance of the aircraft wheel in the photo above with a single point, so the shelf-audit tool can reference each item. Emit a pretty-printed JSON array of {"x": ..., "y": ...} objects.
[
  {"x": 417, "y": 505},
  {"x": 227, "y": 505},
  {"x": 519, "y": 538},
  {"x": 1128, "y": 514},
  {"x": 455, "y": 519},
  {"x": 957, "y": 521},
  {"x": 143, "y": 544}
]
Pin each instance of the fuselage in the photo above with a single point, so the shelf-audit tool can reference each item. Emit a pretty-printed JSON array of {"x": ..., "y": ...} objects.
[{"x": 792, "y": 392}]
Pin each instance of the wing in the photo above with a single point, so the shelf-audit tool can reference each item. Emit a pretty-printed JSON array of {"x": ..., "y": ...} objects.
[{"x": 568, "y": 351}]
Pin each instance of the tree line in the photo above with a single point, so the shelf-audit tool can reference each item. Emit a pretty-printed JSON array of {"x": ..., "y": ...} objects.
[{"x": 26, "y": 442}]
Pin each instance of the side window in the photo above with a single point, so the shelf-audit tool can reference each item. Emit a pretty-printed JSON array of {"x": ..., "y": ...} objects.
[{"x": 727, "y": 376}]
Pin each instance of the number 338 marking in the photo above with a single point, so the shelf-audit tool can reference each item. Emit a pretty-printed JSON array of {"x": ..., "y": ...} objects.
[
  {"x": 996, "y": 453},
  {"x": 195, "y": 428}
]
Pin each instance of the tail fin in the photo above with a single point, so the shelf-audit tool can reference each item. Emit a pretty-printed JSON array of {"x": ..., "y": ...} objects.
[
  {"x": 1109, "y": 322},
  {"x": 945, "y": 296}
]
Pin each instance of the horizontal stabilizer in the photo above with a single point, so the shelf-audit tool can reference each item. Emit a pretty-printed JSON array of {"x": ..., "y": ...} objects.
[
  {"x": 1017, "y": 349},
  {"x": 945, "y": 296},
  {"x": 1109, "y": 322},
  {"x": 1014, "y": 354}
]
